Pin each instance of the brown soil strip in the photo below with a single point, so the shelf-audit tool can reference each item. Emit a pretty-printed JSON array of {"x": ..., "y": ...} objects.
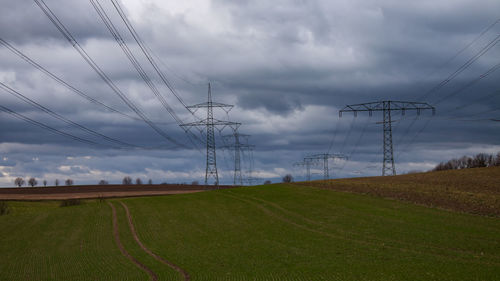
[
  {"x": 63, "y": 196},
  {"x": 153, "y": 275},
  {"x": 158, "y": 258},
  {"x": 99, "y": 191}
]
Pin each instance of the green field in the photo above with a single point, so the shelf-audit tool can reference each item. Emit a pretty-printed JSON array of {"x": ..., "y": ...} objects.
[{"x": 274, "y": 232}]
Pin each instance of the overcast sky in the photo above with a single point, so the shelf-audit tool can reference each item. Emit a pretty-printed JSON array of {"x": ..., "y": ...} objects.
[{"x": 287, "y": 66}]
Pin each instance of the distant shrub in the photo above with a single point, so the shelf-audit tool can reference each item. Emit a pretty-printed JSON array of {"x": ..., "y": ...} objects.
[
  {"x": 103, "y": 182},
  {"x": 33, "y": 182},
  {"x": 288, "y": 178},
  {"x": 19, "y": 182},
  {"x": 267, "y": 182},
  {"x": 195, "y": 183},
  {"x": 71, "y": 202},
  {"x": 127, "y": 180},
  {"x": 4, "y": 208}
]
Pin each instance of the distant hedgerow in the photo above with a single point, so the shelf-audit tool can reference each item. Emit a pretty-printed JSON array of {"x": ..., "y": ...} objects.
[
  {"x": 71, "y": 202},
  {"x": 4, "y": 208}
]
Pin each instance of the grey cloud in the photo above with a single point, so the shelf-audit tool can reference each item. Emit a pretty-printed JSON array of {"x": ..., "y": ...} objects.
[{"x": 293, "y": 62}]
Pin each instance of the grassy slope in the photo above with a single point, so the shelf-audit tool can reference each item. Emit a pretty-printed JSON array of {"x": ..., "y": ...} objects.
[
  {"x": 42, "y": 241},
  {"x": 276, "y": 232},
  {"x": 474, "y": 191},
  {"x": 299, "y": 233}
]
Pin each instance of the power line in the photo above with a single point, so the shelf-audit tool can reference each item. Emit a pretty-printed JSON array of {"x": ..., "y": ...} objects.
[
  {"x": 334, "y": 136},
  {"x": 57, "y": 23},
  {"x": 146, "y": 52},
  {"x": 67, "y": 85},
  {"x": 347, "y": 135},
  {"x": 59, "y": 117},
  {"x": 123, "y": 45},
  {"x": 489, "y": 96},
  {"x": 464, "y": 66},
  {"x": 46, "y": 127},
  {"x": 474, "y": 81},
  {"x": 465, "y": 47}
]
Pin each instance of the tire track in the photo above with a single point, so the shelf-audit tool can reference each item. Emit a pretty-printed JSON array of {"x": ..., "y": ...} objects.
[
  {"x": 116, "y": 233},
  {"x": 435, "y": 249},
  {"x": 302, "y": 226},
  {"x": 175, "y": 267}
]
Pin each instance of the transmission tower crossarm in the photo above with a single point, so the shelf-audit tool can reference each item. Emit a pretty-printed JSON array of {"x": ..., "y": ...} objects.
[
  {"x": 213, "y": 104},
  {"x": 382, "y": 105},
  {"x": 387, "y": 107}
]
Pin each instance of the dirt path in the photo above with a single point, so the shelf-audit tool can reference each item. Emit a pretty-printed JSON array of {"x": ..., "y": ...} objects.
[
  {"x": 116, "y": 232},
  {"x": 158, "y": 258}
]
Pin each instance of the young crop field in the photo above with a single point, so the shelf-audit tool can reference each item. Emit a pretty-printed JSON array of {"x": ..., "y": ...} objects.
[{"x": 273, "y": 232}]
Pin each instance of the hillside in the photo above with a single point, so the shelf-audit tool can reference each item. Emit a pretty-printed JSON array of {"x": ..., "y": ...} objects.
[
  {"x": 274, "y": 232},
  {"x": 475, "y": 191}
]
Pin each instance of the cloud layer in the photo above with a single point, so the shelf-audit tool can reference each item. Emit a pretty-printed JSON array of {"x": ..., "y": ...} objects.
[{"x": 288, "y": 66}]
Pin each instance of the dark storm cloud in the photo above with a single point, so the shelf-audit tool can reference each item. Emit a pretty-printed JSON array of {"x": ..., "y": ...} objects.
[
  {"x": 23, "y": 22},
  {"x": 287, "y": 65}
]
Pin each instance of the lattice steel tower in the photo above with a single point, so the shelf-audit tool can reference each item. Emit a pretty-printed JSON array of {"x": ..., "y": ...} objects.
[
  {"x": 325, "y": 157},
  {"x": 307, "y": 162},
  {"x": 237, "y": 147},
  {"x": 388, "y": 167},
  {"x": 210, "y": 123}
]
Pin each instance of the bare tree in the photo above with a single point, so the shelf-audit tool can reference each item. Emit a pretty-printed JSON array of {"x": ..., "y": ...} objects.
[
  {"x": 138, "y": 181},
  {"x": 69, "y": 182},
  {"x": 195, "y": 183},
  {"x": 480, "y": 160},
  {"x": 103, "y": 182},
  {"x": 287, "y": 178},
  {"x": 32, "y": 182},
  {"x": 56, "y": 182},
  {"x": 150, "y": 181},
  {"x": 45, "y": 183},
  {"x": 127, "y": 180},
  {"x": 19, "y": 182}
]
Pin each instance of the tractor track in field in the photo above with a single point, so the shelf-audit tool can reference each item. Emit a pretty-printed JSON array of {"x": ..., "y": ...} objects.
[
  {"x": 116, "y": 233},
  {"x": 302, "y": 226},
  {"x": 175, "y": 267},
  {"x": 373, "y": 238}
]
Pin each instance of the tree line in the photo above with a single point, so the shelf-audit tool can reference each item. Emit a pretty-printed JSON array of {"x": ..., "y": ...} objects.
[
  {"x": 33, "y": 182},
  {"x": 465, "y": 162},
  {"x": 19, "y": 182}
]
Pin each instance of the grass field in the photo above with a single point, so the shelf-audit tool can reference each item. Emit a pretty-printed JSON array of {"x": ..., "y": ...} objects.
[{"x": 275, "y": 232}]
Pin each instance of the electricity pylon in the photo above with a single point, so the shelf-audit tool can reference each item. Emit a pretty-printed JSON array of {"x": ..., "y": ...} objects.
[
  {"x": 237, "y": 147},
  {"x": 210, "y": 123},
  {"x": 388, "y": 167},
  {"x": 250, "y": 179},
  {"x": 325, "y": 157},
  {"x": 307, "y": 162}
]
